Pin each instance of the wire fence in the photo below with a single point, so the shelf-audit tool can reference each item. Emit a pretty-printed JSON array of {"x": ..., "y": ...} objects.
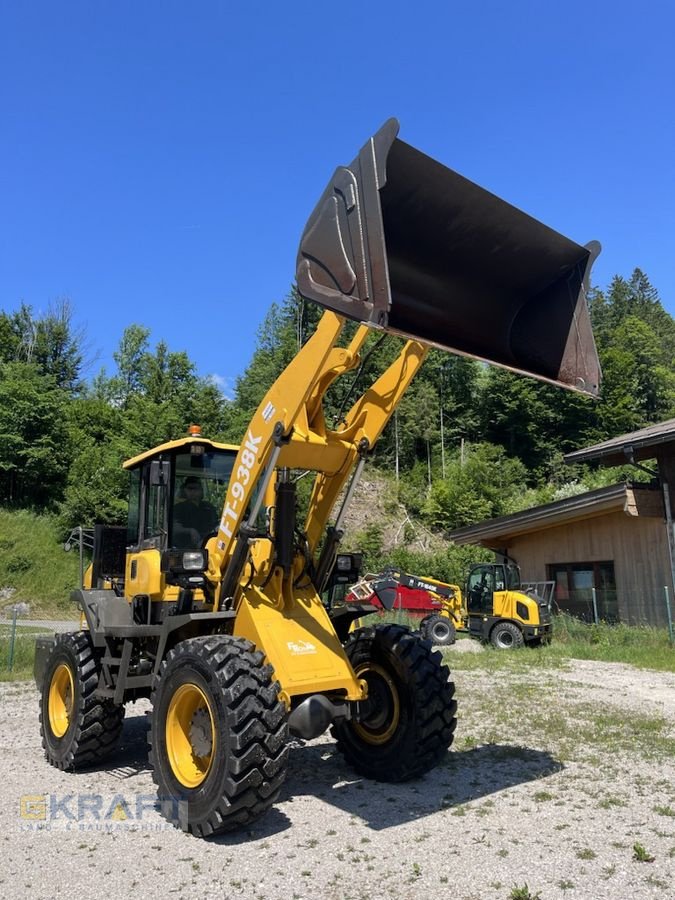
[
  {"x": 19, "y": 628},
  {"x": 605, "y": 606},
  {"x": 21, "y": 623}
]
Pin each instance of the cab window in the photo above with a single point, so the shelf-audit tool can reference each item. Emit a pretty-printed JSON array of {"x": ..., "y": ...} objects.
[
  {"x": 201, "y": 477},
  {"x": 155, "y": 512},
  {"x": 513, "y": 577},
  {"x": 133, "y": 520}
]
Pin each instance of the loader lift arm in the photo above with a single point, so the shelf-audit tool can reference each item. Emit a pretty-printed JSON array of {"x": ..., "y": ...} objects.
[
  {"x": 400, "y": 243},
  {"x": 289, "y": 431},
  {"x": 403, "y": 245},
  {"x": 234, "y": 645}
]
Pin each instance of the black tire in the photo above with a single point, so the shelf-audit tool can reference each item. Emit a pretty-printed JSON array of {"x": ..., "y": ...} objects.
[
  {"x": 238, "y": 720},
  {"x": 78, "y": 729},
  {"x": 439, "y": 630},
  {"x": 411, "y": 713},
  {"x": 506, "y": 636}
]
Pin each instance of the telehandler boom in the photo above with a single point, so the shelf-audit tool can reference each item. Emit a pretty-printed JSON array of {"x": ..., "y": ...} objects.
[{"x": 219, "y": 620}]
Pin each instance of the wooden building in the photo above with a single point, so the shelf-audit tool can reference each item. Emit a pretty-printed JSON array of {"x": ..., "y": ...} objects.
[{"x": 617, "y": 540}]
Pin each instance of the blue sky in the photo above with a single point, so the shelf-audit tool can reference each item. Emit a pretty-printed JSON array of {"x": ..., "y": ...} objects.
[{"x": 158, "y": 160}]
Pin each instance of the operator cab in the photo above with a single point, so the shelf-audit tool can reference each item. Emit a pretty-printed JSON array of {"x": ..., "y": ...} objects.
[
  {"x": 176, "y": 493},
  {"x": 175, "y": 501},
  {"x": 487, "y": 579}
]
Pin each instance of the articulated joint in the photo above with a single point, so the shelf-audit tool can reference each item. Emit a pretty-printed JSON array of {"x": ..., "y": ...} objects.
[{"x": 313, "y": 716}]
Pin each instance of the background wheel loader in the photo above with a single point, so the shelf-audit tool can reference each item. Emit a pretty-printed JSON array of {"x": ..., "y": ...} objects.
[
  {"x": 494, "y": 608},
  {"x": 225, "y": 630}
]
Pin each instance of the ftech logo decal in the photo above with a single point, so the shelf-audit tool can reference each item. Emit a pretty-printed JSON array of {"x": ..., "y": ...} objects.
[{"x": 301, "y": 648}]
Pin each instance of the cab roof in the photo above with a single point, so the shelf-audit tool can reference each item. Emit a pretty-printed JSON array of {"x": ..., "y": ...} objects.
[{"x": 176, "y": 445}]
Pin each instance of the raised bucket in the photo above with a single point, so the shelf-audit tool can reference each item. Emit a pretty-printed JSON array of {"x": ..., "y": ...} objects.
[{"x": 402, "y": 243}]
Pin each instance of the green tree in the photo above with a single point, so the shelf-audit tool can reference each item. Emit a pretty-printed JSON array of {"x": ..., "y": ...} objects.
[
  {"x": 130, "y": 359},
  {"x": 152, "y": 398},
  {"x": 51, "y": 343},
  {"x": 97, "y": 487},
  {"x": 35, "y": 450},
  {"x": 515, "y": 414},
  {"x": 637, "y": 390},
  {"x": 483, "y": 484},
  {"x": 635, "y": 298},
  {"x": 419, "y": 418}
]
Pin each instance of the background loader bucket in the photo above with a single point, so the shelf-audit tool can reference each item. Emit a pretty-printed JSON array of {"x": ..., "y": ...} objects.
[{"x": 403, "y": 243}]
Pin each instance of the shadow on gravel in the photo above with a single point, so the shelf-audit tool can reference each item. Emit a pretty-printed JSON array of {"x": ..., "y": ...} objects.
[
  {"x": 317, "y": 770},
  {"x": 130, "y": 756},
  {"x": 272, "y": 823},
  {"x": 465, "y": 775}
]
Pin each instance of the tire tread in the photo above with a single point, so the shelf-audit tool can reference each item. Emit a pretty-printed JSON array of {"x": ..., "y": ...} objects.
[
  {"x": 258, "y": 730},
  {"x": 431, "y": 695},
  {"x": 98, "y": 722}
]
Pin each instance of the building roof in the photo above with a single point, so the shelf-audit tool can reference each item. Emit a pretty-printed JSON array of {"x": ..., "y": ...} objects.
[
  {"x": 644, "y": 444},
  {"x": 615, "y": 498}
]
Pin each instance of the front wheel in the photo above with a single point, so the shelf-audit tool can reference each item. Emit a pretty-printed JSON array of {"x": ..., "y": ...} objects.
[
  {"x": 77, "y": 727},
  {"x": 439, "y": 630},
  {"x": 410, "y": 714},
  {"x": 506, "y": 636},
  {"x": 218, "y": 737}
]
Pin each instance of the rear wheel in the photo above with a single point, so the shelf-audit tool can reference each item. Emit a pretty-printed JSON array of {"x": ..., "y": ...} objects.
[
  {"x": 410, "y": 713},
  {"x": 218, "y": 738},
  {"x": 506, "y": 636},
  {"x": 439, "y": 630},
  {"x": 77, "y": 728}
]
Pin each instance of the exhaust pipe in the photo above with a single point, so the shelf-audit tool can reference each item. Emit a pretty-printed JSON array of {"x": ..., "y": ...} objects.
[{"x": 402, "y": 243}]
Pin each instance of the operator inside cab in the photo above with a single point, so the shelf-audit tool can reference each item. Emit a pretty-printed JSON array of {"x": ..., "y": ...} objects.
[
  {"x": 194, "y": 518},
  {"x": 480, "y": 588}
]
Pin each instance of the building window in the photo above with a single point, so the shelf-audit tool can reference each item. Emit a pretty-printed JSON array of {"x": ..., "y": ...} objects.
[{"x": 574, "y": 583}]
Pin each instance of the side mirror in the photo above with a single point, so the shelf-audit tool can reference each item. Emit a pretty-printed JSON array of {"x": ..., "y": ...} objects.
[{"x": 160, "y": 472}]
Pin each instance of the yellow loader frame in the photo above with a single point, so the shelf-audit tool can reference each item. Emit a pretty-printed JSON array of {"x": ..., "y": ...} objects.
[{"x": 231, "y": 640}]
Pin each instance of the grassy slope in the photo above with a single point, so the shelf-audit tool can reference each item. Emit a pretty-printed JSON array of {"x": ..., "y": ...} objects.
[
  {"x": 34, "y": 563},
  {"x": 376, "y": 504}
]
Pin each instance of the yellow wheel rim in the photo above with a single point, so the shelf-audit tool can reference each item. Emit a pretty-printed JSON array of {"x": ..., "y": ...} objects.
[
  {"x": 385, "y": 715},
  {"x": 190, "y": 735},
  {"x": 61, "y": 699}
]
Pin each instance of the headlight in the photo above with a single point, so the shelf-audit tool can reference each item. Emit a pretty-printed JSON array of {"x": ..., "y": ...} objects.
[
  {"x": 194, "y": 561},
  {"x": 180, "y": 561}
]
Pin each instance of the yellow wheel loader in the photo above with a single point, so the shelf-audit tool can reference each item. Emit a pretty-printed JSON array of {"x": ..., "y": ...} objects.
[
  {"x": 495, "y": 608},
  {"x": 217, "y": 617}
]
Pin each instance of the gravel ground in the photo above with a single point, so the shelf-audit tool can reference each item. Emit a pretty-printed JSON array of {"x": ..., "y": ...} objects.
[{"x": 519, "y": 800}]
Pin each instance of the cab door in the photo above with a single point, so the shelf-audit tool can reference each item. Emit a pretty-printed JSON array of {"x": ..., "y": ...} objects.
[
  {"x": 480, "y": 589},
  {"x": 151, "y": 486}
]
